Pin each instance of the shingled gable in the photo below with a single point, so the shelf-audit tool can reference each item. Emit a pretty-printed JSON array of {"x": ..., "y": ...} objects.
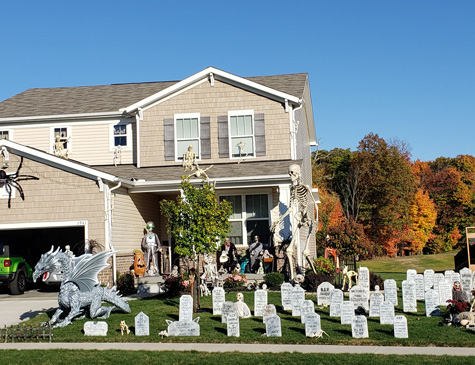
[{"x": 119, "y": 99}]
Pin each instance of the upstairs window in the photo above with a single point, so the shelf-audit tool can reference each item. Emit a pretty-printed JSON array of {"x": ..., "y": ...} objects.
[
  {"x": 120, "y": 135},
  {"x": 4, "y": 135},
  {"x": 62, "y": 133},
  {"x": 241, "y": 133},
  {"x": 187, "y": 132}
]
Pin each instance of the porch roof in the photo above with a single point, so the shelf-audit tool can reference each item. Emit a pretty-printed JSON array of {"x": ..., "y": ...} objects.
[{"x": 226, "y": 175}]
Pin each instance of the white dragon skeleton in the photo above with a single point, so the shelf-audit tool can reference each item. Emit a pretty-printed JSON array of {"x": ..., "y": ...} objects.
[{"x": 80, "y": 290}]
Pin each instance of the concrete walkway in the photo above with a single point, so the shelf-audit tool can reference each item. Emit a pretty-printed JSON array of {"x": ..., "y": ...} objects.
[{"x": 213, "y": 347}]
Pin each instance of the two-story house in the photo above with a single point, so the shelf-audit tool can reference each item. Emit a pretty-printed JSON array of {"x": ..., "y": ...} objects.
[{"x": 125, "y": 146}]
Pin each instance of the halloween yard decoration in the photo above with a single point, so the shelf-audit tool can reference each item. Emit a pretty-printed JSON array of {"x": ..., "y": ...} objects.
[
  {"x": 300, "y": 197},
  {"x": 80, "y": 291},
  {"x": 11, "y": 181}
]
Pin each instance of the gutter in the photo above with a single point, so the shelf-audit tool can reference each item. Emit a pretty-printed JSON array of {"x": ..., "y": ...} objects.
[
  {"x": 62, "y": 117},
  {"x": 293, "y": 130}
]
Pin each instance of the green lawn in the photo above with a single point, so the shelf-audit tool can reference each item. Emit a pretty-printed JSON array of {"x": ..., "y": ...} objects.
[
  {"x": 423, "y": 331},
  {"x": 58, "y": 357},
  {"x": 437, "y": 262}
]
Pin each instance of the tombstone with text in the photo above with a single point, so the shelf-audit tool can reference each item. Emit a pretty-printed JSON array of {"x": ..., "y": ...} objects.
[
  {"x": 312, "y": 324},
  {"x": 324, "y": 291},
  {"x": 306, "y": 307},
  {"x": 218, "y": 299},
  {"x": 363, "y": 277},
  {"x": 298, "y": 296},
  {"x": 432, "y": 303},
  {"x": 359, "y": 327},
  {"x": 359, "y": 296},
  {"x": 375, "y": 303},
  {"x": 232, "y": 322},
  {"x": 186, "y": 308},
  {"x": 142, "y": 325},
  {"x": 335, "y": 303},
  {"x": 386, "y": 313},
  {"x": 400, "y": 327},
  {"x": 347, "y": 312},
  {"x": 273, "y": 326},
  {"x": 286, "y": 296},
  {"x": 428, "y": 279},
  {"x": 260, "y": 301},
  {"x": 409, "y": 301},
  {"x": 390, "y": 291}
]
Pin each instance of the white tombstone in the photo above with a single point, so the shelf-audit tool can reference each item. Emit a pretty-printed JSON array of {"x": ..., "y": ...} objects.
[
  {"x": 286, "y": 296},
  {"x": 360, "y": 297},
  {"x": 347, "y": 312},
  {"x": 312, "y": 324},
  {"x": 186, "y": 308},
  {"x": 400, "y": 327},
  {"x": 324, "y": 291},
  {"x": 226, "y": 310},
  {"x": 260, "y": 301},
  {"x": 359, "y": 327},
  {"x": 298, "y": 296},
  {"x": 466, "y": 280},
  {"x": 142, "y": 325},
  {"x": 448, "y": 275},
  {"x": 375, "y": 303},
  {"x": 420, "y": 289},
  {"x": 411, "y": 275},
  {"x": 390, "y": 291},
  {"x": 386, "y": 312},
  {"x": 184, "y": 328},
  {"x": 428, "y": 279},
  {"x": 306, "y": 307},
  {"x": 409, "y": 301},
  {"x": 232, "y": 322},
  {"x": 95, "y": 328},
  {"x": 219, "y": 297},
  {"x": 273, "y": 326},
  {"x": 438, "y": 277},
  {"x": 335, "y": 303},
  {"x": 432, "y": 302},
  {"x": 363, "y": 277},
  {"x": 445, "y": 291},
  {"x": 269, "y": 310},
  {"x": 456, "y": 277}
]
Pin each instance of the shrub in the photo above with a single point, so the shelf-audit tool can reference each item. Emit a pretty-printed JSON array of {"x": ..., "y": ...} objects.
[
  {"x": 175, "y": 285},
  {"x": 324, "y": 266},
  {"x": 274, "y": 279},
  {"x": 374, "y": 280},
  {"x": 126, "y": 284},
  {"x": 312, "y": 280}
]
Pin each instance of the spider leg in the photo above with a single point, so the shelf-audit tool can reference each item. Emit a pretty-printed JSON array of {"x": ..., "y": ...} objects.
[
  {"x": 19, "y": 188},
  {"x": 8, "y": 188}
]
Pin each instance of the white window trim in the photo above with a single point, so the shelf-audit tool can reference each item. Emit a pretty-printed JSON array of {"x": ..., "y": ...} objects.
[
  {"x": 183, "y": 116},
  {"x": 128, "y": 135},
  {"x": 234, "y": 113},
  {"x": 53, "y": 140},
  {"x": 3, "y": 190},
  {"x": 243, "y": 220},
  {"x": 28, "y": 225},
  {"x": 10, "y": 133}
]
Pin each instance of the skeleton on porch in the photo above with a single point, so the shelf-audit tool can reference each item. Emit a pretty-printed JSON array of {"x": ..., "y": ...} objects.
[{"x": 300, "y": 197}]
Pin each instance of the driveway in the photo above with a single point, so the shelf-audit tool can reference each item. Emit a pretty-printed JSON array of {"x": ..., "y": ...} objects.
[{"x": 17, "y": 308}]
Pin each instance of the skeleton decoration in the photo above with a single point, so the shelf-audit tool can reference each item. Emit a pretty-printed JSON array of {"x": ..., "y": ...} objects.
[
  {"x": 80, "y": 291},
  {"x": 300, "y": 197},
  {"x": 59, "y": 148},
  {"x": 118, "y": 155},
  {"x": 10, "y": 181},
  {"x": 190, "y": 163},
  {"x": 6, "y": 157},
  {"x": 240, "y": 147}
]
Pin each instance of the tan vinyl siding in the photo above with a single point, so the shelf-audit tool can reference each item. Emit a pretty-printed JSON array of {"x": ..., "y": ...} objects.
[
  {"x": 38, "y": 137},
  {"x": 57, "y": 197},
  {"x": 130, "y": 214},
  {"x": 214, "y": 101}
]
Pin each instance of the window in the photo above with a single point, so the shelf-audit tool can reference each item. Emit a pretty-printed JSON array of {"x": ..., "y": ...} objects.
[
  {"x": 187, "y": 129},
  {"x": 250, "y": 217},
  {"x": 120, "y": 135},
  {"x": 62, "y": 133},
  {"x": 4, "y": 135},
  {"x": 241, "y": 133}
]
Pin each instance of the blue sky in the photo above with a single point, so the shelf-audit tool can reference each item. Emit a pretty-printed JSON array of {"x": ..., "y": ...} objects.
[{"x": 402, "y": 69}]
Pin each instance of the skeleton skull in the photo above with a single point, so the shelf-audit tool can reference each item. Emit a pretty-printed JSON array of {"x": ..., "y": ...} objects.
[{"x": 294, "y": 172}]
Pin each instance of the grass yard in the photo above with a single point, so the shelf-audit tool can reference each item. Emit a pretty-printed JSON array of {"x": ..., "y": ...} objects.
[
  {"x": 437, "y": 262},
  {"x": 423, "y": 331},
  {"x": 58, "y": 357}
]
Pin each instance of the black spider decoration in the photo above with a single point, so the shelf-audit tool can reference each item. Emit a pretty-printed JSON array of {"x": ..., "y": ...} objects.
[{"x": 11, "y": 181}]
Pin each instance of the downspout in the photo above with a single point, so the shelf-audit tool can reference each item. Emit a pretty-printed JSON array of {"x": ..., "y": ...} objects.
[
  {"x": 293, "y": 132},
  {"x": 109, "y": 207},
  {"x": 138, "y": 118}
]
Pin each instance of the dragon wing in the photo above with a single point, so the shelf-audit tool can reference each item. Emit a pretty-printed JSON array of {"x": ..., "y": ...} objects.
[{"x": 84, "y": 274}]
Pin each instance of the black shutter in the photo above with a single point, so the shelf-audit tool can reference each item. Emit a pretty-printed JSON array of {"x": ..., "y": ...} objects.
[
  {"x": 260, "y": 134},
  {"x": 223, "y": 136},
  {"x": 205, "y": 138},
  {"x": 169, "y": 139}
]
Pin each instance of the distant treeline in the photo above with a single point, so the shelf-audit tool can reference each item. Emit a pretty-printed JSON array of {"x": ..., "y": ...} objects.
[{"x": 375, "y": 201}]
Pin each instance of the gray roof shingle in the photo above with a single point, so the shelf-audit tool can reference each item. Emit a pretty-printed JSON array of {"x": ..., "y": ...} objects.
[{"x": 111, "y": 98}]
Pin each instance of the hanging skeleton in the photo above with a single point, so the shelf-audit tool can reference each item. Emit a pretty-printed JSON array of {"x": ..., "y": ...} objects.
[
  {"x": 10, "y": 181},
  {"x": 242, "y": 154},
  {"x": 300, "y": 197}
]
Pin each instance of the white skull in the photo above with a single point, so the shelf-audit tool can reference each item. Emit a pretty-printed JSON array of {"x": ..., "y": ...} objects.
[{"x": 294, "y": 172}]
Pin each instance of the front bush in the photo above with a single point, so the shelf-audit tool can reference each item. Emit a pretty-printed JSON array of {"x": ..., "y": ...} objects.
[
  {"x": 126, "y": 284},
  {"x": 312, "y": 280},
  {"x": 235, "y": 281},
  {"x": 274, "y": 279}
]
